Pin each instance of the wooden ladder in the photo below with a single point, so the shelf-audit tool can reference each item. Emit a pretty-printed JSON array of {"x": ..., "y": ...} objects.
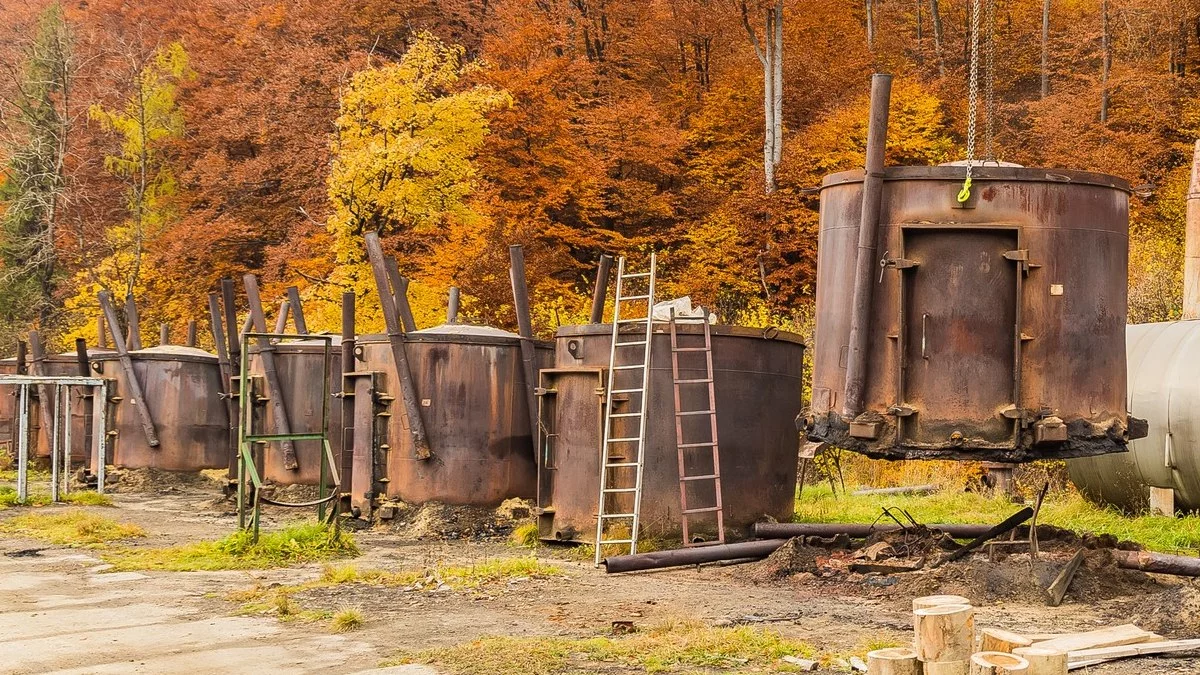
[{"x": 683, "y": 445}]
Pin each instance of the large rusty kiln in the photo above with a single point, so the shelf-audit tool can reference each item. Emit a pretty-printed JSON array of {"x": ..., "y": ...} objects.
[
  {"x": 757, "y": 378},
  {"x": 994, "y": 329},
  {"x": 182, "y": 391},
  {"x": 469, "y": 383}
]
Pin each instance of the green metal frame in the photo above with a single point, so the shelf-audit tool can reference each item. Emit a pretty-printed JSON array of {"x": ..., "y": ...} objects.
[{"x": 249, "y": 515}]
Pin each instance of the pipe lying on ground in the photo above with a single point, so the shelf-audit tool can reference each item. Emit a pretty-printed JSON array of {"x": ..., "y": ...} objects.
[
  {"x": 691, "y": 556},
  {"x": 1010, "y": 523},
  {"x": 1162, "y": 563},
  {"x": 856, "y": 530}
]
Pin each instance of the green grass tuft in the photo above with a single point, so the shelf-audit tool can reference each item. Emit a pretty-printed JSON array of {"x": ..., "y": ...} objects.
[
  {"x": 346, "y": 620},
  {"x": 70, "y": 527},
  {"x": 292, "y": 545},
  {"x": 525, "y": 536},
  {"x": 1070, "y": 511},
  {"x": 664, "y": 648},
  {"x": 8, "y": 498}
]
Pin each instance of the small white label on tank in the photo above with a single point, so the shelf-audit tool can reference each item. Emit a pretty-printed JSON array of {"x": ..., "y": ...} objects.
[
  {"x": 426, "y": 402},
  {"x": 1056, "y": 289}
]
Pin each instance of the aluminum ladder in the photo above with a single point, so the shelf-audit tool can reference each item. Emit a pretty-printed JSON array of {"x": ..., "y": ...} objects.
[
  {"x": 682, "y": 444},
  {"x": 626, "y": 376}
]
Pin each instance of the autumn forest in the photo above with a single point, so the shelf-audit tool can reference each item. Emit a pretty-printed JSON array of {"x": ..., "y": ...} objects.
[{"x": 156, "y": 147}]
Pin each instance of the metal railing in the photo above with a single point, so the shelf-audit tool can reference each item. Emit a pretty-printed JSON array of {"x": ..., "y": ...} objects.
[{"x": 60, "y": 432}]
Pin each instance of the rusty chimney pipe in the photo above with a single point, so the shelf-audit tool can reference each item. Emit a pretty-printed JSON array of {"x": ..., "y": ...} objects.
[
  {"x": 601, "y": 290},
  {"x": 868, "y": 226},
  {"x": 164, "y": 333},
  {"x": 1191, "y": 260},
  {"x": 452, "y": 306}
]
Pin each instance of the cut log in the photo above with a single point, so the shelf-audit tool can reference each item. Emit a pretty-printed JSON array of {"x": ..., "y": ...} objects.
[
  {"x": 1043, "y": 661},
  {"x": 945, "y": 633},
  {"x": 928, "y": 601},
  {"x": 893, "y": 661},
  {"x": 947, "y": 667},
  {"x": 1058, "y": 589},
  {"x": 1162, "y": 563},
  {"x": 996, "y": 640},
  {"x": 998, "y": 663},
  {"x": 1100, "y": 655},
  {"x": 1114, "y": 636}
]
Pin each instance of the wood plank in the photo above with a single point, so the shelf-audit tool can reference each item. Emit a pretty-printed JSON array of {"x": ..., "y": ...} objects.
[
  {"x": 1113, "y": 636},
  {"x": 1125, "y": 651}
]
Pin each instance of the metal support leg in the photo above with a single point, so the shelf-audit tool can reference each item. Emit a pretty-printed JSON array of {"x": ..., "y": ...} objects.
[
  {"x": 66, "y": 444},
  {"x": 23, "y": 443},
  {"x": 55, "y": 417},
  {"x": 100, "y": 428}
]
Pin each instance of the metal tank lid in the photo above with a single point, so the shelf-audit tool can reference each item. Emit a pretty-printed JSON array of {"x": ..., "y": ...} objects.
[
  {"x": 982, "y": 172},
  {"x": 458, "y": 332},
  {"x": 769, "y": 333},
  {"x": 160, "y": 353}
]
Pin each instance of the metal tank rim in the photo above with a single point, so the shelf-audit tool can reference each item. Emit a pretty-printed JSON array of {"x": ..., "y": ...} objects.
[
  {"x": 769, "y": 333},
  {"x": 455, "y": 338},
  {"x": 160, "y": 353},
  {"x": 984, "y": 173}
]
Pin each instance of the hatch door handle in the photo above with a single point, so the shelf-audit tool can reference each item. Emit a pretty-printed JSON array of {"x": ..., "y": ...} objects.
[{"x": 924, "y": 333}]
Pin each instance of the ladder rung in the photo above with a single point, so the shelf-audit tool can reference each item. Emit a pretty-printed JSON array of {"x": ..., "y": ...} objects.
[
  {"x": 691, "y": 349},
  {"x": 627, "y": 298},
  {"x": 708, "y": 477},
  {"x": 641, "y": 320},
  {"x": 615, "y": 541},
  {"x": 626, "y": 391},
  {"x": 708, "y": 509},
  {"x": 704, "y": 380},
  {"x": 709, "y": 444},
  {"x": 617, "y": 515},
  {"x": 624, "y": 440},
  {"x": 632, "y": 367},
  {"x": 632, "y": 489},
  {"x": 617, "y": 465},
  {"x": 695, "y": 412},
  {"x": 635, "y": 343},
  {"x": 636, "y": 414},
  {"x": 635, "y": 275}
]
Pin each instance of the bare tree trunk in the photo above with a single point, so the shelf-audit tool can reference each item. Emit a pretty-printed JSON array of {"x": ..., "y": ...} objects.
[
  {"x": 1045, "y": 48},
  {"x": 870, "y": 24},
  {"x": 1106, "y": 41},
  {"x": 777, "y": 105},
  {"x": 937, "y": 36}
]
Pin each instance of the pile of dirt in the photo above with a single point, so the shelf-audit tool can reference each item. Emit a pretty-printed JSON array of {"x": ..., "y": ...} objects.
[
  {"x": 793, "y": 558},
  {"x": 435, "y": 520},
  {"x": 160, "y": 481}
]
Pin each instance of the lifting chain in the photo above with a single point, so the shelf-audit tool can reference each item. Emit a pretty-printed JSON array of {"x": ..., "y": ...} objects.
[{"x": 972, "y": 100}]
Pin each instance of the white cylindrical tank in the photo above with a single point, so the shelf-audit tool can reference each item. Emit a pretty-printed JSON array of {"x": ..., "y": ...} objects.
[{"x": 1163, "y": 361}]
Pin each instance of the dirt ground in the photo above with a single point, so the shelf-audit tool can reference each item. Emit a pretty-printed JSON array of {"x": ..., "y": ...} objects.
[{"x": 61, "y": 612}]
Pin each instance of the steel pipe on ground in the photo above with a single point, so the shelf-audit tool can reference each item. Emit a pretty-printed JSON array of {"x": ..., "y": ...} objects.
[{"x": 691, "y": 556}]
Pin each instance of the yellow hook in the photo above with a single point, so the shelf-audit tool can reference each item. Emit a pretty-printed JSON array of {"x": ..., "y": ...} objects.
[{"x": 965, "y": 193}]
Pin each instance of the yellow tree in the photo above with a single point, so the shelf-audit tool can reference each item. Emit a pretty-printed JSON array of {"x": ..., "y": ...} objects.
[{"x": 403, "y": 165}]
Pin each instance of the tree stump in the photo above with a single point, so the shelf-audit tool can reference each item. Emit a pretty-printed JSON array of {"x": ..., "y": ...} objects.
[
  {"x": 996, "y": 640},
  {"x": 998, "y": 663},
  {"x": 1043, "y": 661},
  {"x": 935, "y": 600},
  {"x": 945, "y": 633},
  {"x": 893, "y": 661},
  {"x": 947, "y": 668}
]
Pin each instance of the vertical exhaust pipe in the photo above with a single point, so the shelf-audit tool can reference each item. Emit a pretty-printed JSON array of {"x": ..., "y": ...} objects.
[
  {"x": 868, "y": 229},
  {"x": 191, "y": 333},
  {"x": 452, "y": 306},
  {"x": 525, "y": 328},
  {"x": 133, "y": 324},
  {"x": 601, "y": 290},
  {"x": 1191, "y": 261},
  {"x": 164, "y": 333}
]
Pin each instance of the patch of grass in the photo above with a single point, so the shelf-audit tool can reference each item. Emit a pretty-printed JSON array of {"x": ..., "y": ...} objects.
[
  {"x": 292, "y": 545},
  {"x": 1069, "y": 510},
  {"x": 346, "y": 620},
  {"x": 456, "y": 577},
  {"x": 71, "y": 527},
  {"x": 663, "y": 648},
  {"x": 525, "y": 536},
  {"x": 8, "y": 498}
]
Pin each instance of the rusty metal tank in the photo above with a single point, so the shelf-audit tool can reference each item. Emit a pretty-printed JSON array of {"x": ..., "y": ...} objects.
[
  {"x": 757, "y": 375},
  {"x": 64, "y": 364},
  {"x": 1164, "y": 389},
  {"x": 182, "y": 387},
  {"x": 299, "y": 365},
  {"x": 471, "y": 389},
  {"x": 997, "y": 326},
  {"x": 8, "y": 409}
]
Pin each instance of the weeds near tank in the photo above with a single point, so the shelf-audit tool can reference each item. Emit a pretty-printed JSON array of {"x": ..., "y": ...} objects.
[
  {"x": 8, "y": 498},
  {"x": 663, "y": 648},
  {"x": 293, "y": 545},
  {"x": 1066, "y": 509},
  {"x": 346, "y": 620},
  {"x": 525, "y": 536},
  {"x": 70, "y": 527}
]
